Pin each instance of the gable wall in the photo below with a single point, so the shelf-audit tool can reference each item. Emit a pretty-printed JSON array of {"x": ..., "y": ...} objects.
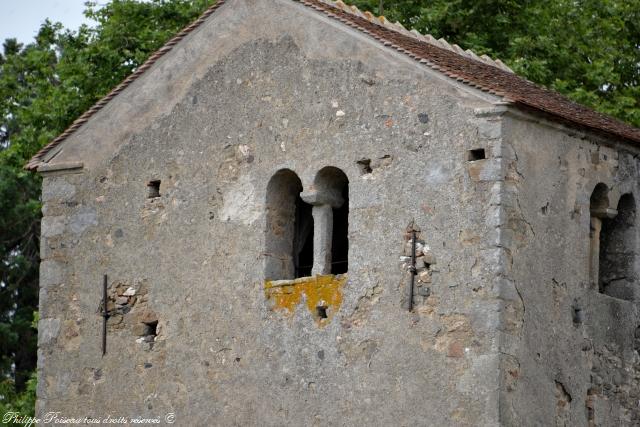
[
  {"x": 563, "y": 367},
  {"x": 224, "y": 354}
]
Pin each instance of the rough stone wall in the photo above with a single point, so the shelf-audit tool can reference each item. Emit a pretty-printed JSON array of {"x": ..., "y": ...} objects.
[
  {"x": 571, "y": 355},
  {"x": 193, "y": 330}
]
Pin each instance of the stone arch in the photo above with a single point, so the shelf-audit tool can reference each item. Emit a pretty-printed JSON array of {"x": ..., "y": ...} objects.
[
  {"x": 330, "y": 179},
  {"x": 614, "y": 197},
  {"x": 289, "y": 227},
  {"x": 329, "y": 196},
  {"x": 599, "y": 200}
]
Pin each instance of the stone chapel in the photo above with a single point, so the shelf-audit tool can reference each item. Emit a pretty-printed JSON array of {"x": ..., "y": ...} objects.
[{"x": 296, "y": 213}]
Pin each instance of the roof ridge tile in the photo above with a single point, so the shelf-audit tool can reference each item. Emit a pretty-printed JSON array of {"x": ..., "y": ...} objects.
[{"x": 398, "y": 27}]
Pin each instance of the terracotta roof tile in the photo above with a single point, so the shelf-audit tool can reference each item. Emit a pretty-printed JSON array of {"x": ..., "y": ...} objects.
[{"x": 482, "y": 73}]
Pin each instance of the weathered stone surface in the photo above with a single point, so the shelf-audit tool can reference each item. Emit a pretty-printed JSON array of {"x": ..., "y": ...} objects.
[
  {"x": 51, "y": 273},
  {"x": 52, "y": 225},
  {"x": 139, "y": 329},
  {"x": 490, "y": 129},
  {"x": 84, "y": 217},
  {"x": 58, "y": 190},
  {"x": 122, "y": 300},
  {"x": 48, "y": 330},
  {"x": 240, "y": 203}
]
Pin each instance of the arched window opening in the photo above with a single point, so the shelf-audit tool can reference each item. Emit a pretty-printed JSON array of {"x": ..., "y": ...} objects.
[
  {"x": 289, "y": 229},
  {"x": 330, "y": 199},
  {"x": 599, "y": 201},
  {"x": 616, "y": 267},
  {"x": 340, "y": 238}
]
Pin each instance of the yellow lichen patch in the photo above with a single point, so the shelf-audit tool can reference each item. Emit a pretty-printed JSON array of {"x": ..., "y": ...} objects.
[{"x": 323, "y": 295}]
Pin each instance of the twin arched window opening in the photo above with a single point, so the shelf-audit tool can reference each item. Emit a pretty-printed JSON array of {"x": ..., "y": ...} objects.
[
  {"x": 307, "y": 231},
  {"x": 613, "y": 244}
]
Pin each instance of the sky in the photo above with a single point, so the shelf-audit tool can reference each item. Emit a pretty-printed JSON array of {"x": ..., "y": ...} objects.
[{"x": 22, "y": 18}]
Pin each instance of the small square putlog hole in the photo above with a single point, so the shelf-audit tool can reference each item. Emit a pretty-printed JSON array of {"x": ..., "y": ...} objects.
[
  {"x": 578, "y": 315},
  {"x": 476, "y": 154},
  {"x": 151, "y": 329},
  {"x": 321, "y": 312},
  {"x": 365, "y": 166},
  {"x": 154, "y": 189}
]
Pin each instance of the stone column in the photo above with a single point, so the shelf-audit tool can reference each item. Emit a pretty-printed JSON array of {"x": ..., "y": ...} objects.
[
  {"x": 323, "y": 202},
  {"x": 322, "y": 238},
  {"x": 597, "y": 215}
]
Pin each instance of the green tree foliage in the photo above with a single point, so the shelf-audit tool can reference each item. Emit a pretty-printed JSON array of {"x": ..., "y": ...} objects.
[
  {"x": 588, "y": 50},
  {"x": 22, "y": 402},
  {"x": 44, "y": 86}
]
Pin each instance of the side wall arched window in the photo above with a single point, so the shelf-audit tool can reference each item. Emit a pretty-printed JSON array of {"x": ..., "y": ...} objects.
[
  {"x": 613, "y": 244},
  {"x": 598, "y": 207},
  {"x": 617, "y": 276}
]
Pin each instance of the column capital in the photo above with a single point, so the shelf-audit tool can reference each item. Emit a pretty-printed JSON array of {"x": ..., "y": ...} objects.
[
  {"x": 323, "y": 197},
  {"x": 604, "y": 213}
]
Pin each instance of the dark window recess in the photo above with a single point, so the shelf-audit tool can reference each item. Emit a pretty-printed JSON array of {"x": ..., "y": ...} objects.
[
  {"x": 154, "y": 189},
  {"x": 303, "y": 239},
  {"x": 365, "y": 166},
  {"x": 599, "y": 200},
  {"x": 321, "y": 312},
  {"x": 151, "y": 328},
  {"x": 477, "y": 154},
  {"x": 617, "y": 276},
  {"x": 423, "y": 118},
  {"x": 340, "y": 238},
  {"x": 288, "y": 223},
  {"x": 577, "y": 315}
]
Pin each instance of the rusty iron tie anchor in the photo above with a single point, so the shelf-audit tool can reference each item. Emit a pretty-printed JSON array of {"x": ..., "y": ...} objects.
[
  {"x": 412, "y": 269},
  {"x": 105, "y": 315}
]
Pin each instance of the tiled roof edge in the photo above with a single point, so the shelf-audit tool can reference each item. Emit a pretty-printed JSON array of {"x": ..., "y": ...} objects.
[
  {"x": 427, "y": 38},
  {"x": 509, "y": 86},
  {"x": 36, "y": 160}
]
